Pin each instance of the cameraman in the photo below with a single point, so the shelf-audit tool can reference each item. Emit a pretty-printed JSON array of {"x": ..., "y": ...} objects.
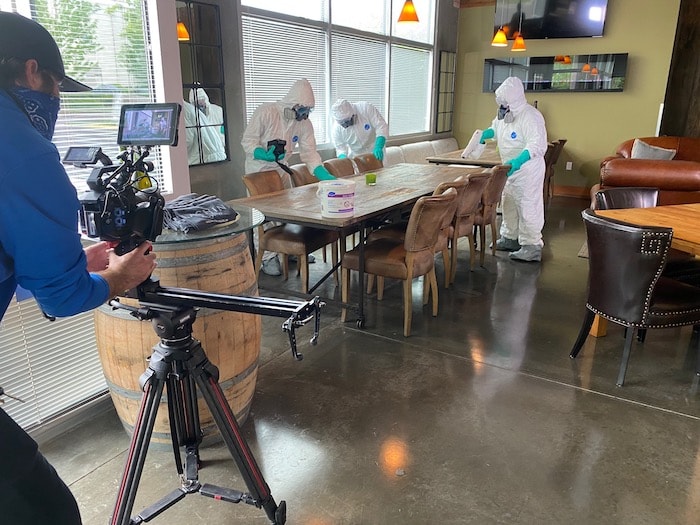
[{"x": 40, "y": 247}]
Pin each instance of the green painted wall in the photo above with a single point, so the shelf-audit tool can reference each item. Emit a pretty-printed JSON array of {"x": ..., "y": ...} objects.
[{"x": 593, "y": 123}]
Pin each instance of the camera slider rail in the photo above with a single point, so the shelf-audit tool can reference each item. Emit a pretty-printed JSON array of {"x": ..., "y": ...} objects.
[{"x": 156, "y": 299}]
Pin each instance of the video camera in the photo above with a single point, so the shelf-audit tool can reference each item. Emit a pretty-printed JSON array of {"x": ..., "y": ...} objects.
[{"x": 123, "y": 204}]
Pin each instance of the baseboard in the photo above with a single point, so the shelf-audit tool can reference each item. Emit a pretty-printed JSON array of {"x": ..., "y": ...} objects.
[{"x": 579, "y": 192}]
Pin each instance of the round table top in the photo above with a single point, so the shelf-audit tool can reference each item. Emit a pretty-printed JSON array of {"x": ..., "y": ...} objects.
[{"x": 247, "y": 219}]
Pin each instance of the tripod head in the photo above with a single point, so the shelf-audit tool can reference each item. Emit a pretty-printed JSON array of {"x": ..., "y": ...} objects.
[{"x": 173, "y": 310}]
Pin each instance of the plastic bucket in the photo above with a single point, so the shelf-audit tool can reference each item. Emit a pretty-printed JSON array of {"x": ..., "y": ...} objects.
[
  {"x": 231, "y": 340},
  {"x": 337, "y": 198}
]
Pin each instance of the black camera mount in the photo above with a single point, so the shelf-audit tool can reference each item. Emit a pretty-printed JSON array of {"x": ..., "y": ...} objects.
[{"x": 179, "y": 361}]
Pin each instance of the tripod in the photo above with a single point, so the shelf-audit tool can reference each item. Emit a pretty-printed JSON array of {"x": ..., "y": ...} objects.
[{"x": 179, "y": 362}]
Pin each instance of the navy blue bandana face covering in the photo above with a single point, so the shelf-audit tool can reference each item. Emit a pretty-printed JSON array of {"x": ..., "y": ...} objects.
[{"x": 41, "y": 108}]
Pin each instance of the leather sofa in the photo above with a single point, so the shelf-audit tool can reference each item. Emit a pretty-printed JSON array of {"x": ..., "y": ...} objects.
[{"x": 678, "y": 180}]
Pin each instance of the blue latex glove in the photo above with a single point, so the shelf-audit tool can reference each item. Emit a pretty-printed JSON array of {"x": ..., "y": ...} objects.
[
  {"x": 488, "y": 133},
  {"x": 518, "y": 161},
  {"x": 267, "y": 156},
  {"x": 379, "y": 147},
  {"x": 342, "y": 156},
  {"x": 321, "y": 173}
]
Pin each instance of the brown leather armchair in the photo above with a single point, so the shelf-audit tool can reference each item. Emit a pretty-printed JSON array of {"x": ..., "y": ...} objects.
[{"x": 678, "y": 179}]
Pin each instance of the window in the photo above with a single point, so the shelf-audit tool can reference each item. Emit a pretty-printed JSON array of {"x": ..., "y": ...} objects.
[
  {"x": 446, "y": 92},
  {"x": 352, "y": 50},
  {"x": 55, "y": 366},
  {"x": 201, "y": 63}
]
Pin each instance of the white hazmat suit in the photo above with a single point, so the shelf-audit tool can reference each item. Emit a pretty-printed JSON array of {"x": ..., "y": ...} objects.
[
  {"x": 270, "y": 122},
  {"x": 213, "y": 112},
  {"x": 360, "y": 136},
  {"x": 521, "y": 128},
  {"x": 204, "y": 143}
]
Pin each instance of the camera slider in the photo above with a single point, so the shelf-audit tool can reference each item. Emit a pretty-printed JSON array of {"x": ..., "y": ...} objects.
[{"x": 179, "y": 362}]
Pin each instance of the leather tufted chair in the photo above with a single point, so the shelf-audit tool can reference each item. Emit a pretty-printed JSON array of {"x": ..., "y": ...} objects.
[
  {"x": 367, "y": 162},
  {"x": 632, "y": 197},
  {"x": 301, "y": 175},
  {"x": 489, "y": 204},
  {"x": 286, "y": 239},
  {"x": 340, "y": 168},
  {"x": 404, "y": 259},
  {"x": 466, "y": 213},
  {"x": 638, "y": 299},
  {"x": 442, "y": 246}
]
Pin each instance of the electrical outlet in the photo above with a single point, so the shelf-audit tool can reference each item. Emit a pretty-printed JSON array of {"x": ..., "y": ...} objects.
[{"x": 569, "y": 166}]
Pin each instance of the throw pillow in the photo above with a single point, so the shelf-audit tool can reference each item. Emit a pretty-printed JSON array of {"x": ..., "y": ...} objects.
[{"x": 642, "y": 150}]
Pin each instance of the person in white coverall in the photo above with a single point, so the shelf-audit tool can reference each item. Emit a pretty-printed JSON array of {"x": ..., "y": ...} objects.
[
  {"x": 520, "y": 132},
  {"x": 204, "y": 142},
  {"x": 213, "y": 112},
  {"x": 285, "y": 120},
  {"x": 358, "y": 128}
]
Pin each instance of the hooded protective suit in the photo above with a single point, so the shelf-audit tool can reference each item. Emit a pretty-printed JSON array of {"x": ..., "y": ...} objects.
[
  {"x": 270, "y": 122},
  {"x": 524, "y": 129},
  {"x": 204, "y": 142},
  {"x": 360, "y": 137},
  {"x": 214, "y": 113}
]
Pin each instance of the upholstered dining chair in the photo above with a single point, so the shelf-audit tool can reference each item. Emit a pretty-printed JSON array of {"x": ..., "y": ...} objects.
[
  {"x": 367, "y": 162},
  {"x": 340, "y": 167},
  {"x": 632, "y": 197},
  {"x": 487, "y": 214},
  {"x": 301, "y": 176},
  {"x": 638, "y": 299},
  {"x": 286, "y": 239},
  {"x": 442, "y": 245},
  {"x": 407, "y": 259},
  {"x": 467, "y": 210}
]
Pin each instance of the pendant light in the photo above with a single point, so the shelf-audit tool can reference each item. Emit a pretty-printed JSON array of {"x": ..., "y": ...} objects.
[
  {"x": 183, "y": 35},
  {"x": 519, "y": 43},
  {"x": 500, "y": 39},
  {"x": 408, "y": 12}
]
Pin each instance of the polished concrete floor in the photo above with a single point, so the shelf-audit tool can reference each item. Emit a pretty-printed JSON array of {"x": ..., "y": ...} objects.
[{"x": 479, "y": 417}]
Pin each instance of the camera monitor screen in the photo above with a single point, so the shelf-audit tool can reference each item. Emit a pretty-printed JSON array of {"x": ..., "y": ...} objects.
[{"x": 148, "y": 124}]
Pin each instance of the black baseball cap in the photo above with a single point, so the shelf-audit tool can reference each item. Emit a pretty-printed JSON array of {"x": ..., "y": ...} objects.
[{"x": 24, "y": 39}]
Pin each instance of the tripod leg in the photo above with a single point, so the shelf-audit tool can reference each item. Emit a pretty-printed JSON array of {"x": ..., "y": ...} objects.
[
  {"x": 206, "y": 375},
  {"x": 138, "y": 448}
]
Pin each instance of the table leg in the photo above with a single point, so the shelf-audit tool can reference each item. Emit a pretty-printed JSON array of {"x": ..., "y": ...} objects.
[
  {"x": 600, "y": 327},
  {"x": 361, "y": 278}
]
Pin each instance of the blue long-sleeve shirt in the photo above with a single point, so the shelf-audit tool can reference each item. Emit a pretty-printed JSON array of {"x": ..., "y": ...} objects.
[{"x": 39, "y": 242}]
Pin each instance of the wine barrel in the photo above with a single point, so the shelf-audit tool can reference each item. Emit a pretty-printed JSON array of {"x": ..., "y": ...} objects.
[{"x": 231, "y": 340}]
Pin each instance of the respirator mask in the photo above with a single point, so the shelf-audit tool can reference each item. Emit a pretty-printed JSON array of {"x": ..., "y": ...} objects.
[
  {"x": 347, "y": 122},
  {"x": 298, "y": 112}
]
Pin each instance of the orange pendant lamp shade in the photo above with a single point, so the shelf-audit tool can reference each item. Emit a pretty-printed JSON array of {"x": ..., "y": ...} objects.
[
  {"x": 499, "y": 39},
  {"x": 519, "y": 43},
  {"x": 408, "y": 12},
  {"x": 182, "y": 34}
]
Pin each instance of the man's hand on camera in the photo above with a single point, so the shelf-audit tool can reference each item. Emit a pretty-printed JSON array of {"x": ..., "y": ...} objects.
[
  {"x": 129, "y": 270},
  {"x": 97, "y": 256}
]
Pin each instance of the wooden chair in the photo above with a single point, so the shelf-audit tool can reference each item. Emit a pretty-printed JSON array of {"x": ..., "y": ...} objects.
[
  {"x": 640, "y": 299},
  {"x": 367, "y": 162},
  {"x": 301, "y": 175},
  {"x": 487, "y": 211},
  {"x": 286, "y": 239},
  {"x": 467, "y": 210},
  {"x": 551, "y": 157},
  {"x": 407, "y": 259},
  {"x": 340, "y": 167}
]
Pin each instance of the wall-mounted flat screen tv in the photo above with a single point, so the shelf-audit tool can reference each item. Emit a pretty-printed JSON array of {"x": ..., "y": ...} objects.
[{"x": 551, "y": 18}]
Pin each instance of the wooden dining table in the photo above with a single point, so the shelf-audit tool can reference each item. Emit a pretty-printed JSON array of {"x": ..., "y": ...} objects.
[
  {"x": 398, "y": 187},
  {"x": 488, "y": 159},
  {"x": 683, "y": 218}
]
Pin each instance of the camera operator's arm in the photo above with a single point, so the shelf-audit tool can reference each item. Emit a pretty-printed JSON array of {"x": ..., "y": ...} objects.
[{"x": 129, "y": 270}]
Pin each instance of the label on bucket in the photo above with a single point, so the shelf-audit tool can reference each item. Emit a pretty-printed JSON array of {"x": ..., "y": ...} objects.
[{"x": 337, "y": 198}]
